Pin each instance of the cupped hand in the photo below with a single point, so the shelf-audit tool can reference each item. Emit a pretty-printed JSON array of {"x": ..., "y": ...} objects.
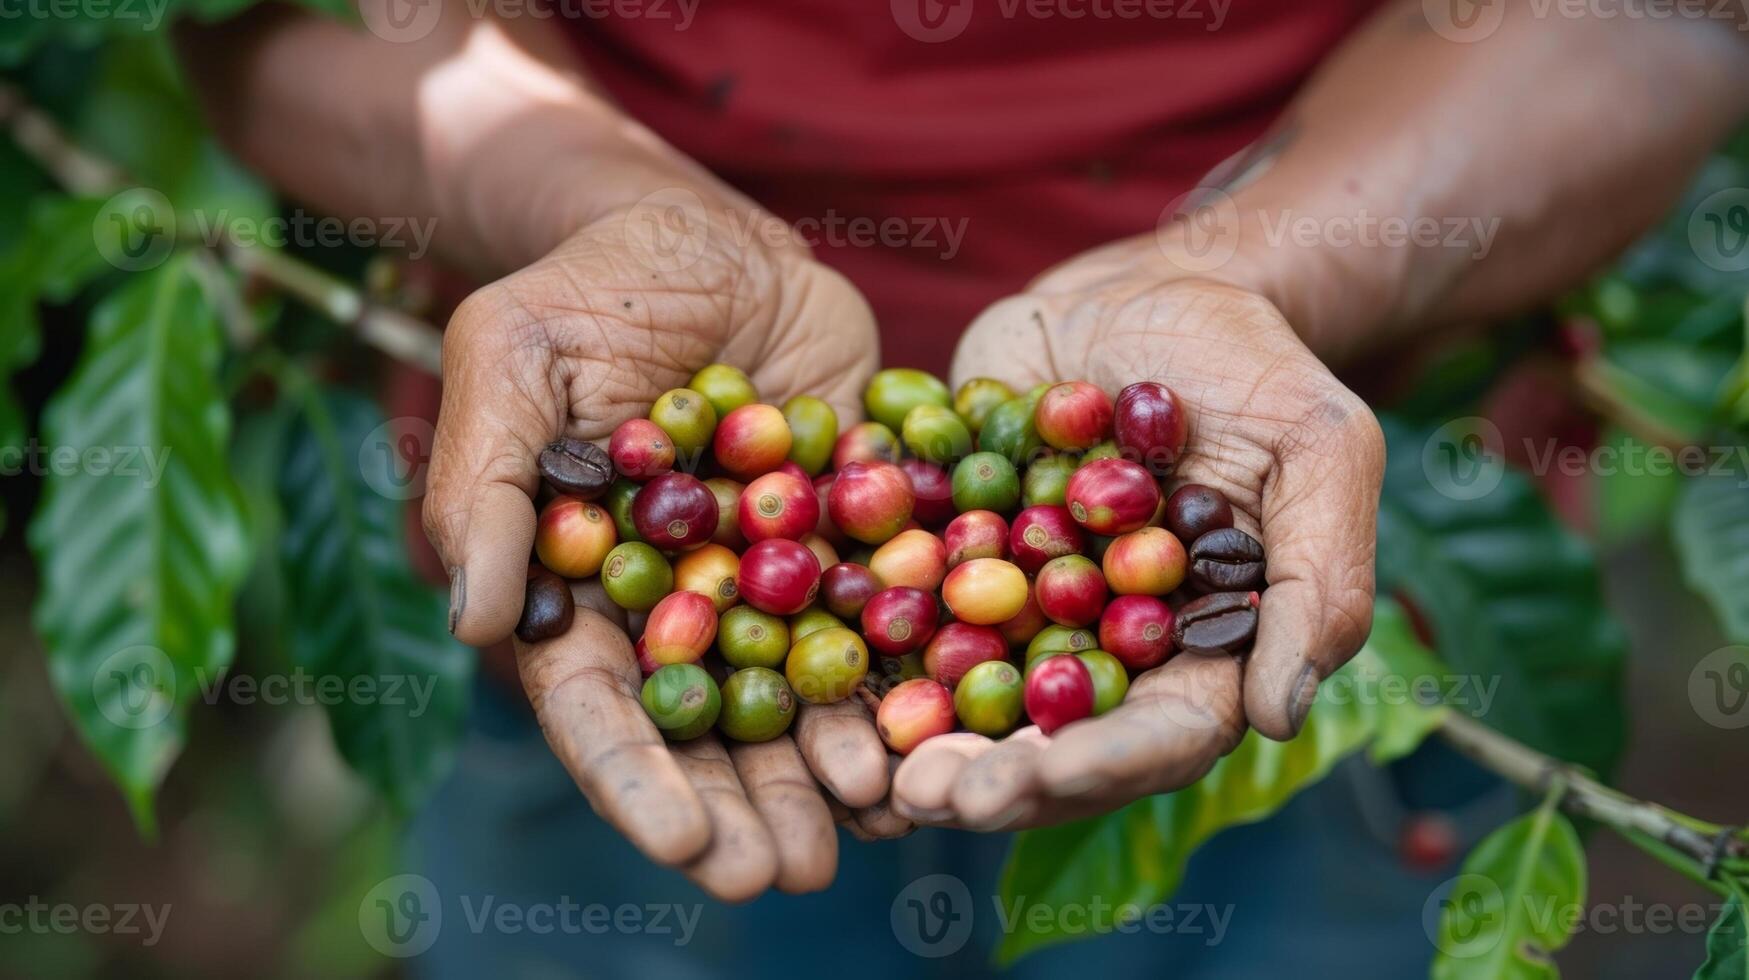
[
  {"x": 576, "y": 343},
  {"x": 1300, "y": 457}
]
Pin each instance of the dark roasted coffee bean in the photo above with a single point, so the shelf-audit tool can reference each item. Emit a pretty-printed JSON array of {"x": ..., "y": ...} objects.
[
  {"x": 1194, "y": 510},
  {"x": 1226, "y": 560},
  {"x": 1218, "y": 621},
  {"x": 547, "y": 607},
  {"x": 577, "y": 467}
]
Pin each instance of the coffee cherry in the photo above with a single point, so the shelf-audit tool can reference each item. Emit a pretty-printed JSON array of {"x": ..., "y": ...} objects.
[
  {"x": 758, "y": 705},
  {"x": 825, "y": 667},
  {"x": 1010, "y": 433},
  {"x": 646, "y": 666},
  {"x": 1024, "y": 625},
  {"x": 985, "y": 481},
  {"x": 1060, "y": 639},
  {"x": 675, "y": 511},
  {"x": 823, "y": 551},
  {"x": 824, "y": 527},
  {"x": 1112, "y": 496},
  {"x": 812, "y": 620},
  {"x": 1428, "y": 842},
  {"x": 913, "y": 712},
  {"x": 712, "y": 571},
  {"x": 1059, "y": 691},
  {"x": 689, "y": 421},
  {"x": 1194, "y": 510},
  {"x": 1047, "y": 480},
  {"x": 936, "y": 434},
  {"x": 975, "y": 534},
  {"x": 1226, "y": 560},
  {"x": 985, "y": 591},
  {"x": 892, "y": 394},
  {"x": 1073, "y": 415},
  {"x": 977, "y": 398},
  {"x": 748, "y": 637},
  {"x": 751, "y": 441},
  {"x": 641, "y": 450},
  {"x": 1218, "y": 621},
  {"x": 681, "y": 628},
  {"x": 865, "y": 442},
  {"x": 915, "y": 558},
  {"x": 573, "y": 537},
  {"x": 725, "y": 386},
  {"x": 1146, "y": 562},
  {"x": 988, "y": 700},
  {"x": 899, "y": 620},
  {"x": 813, "y": 428},
  {"x": 682, "y": 700},
  {"x": 636, "y": 576},
  {"x": 1101, "y": 450},
  {"x": 956, "y": 647},
  {"x": 1110, "y": 681},
  {"x": 1151, "y": 426},
  {"x": 1042, "y": 533},
  {"x": 779, "y": 576},
  {"x": 1071, "y": 591},
  {"x": 618, "y": 502},
  {"x": 576, "y": 467},
  {"x": 847, "y": 588},
  {"x": 932, "y": 490},
  {"x": 728, "y": 493},
  {"x": 870, "y": 501},
  {"x": 1137, "y": 629},
  {"x": 547, "y": 607},
  {"x": 778, "y": 505}
]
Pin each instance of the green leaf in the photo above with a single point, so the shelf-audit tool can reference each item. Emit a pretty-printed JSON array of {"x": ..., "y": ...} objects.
[
  {"x": 1711, "y": 528},
  {"x": 1515, "y": 902},
  {"x": 359, "y": 614},
  {"x": 1511, "y": 597},
  {"x": 1632, "y": 500},
  {"x": 1674, "y": 383},
  {"x": 1137, "y": 854},
  {"x": 139, "y": 552},
  {"x": 1727, "y": 945}
]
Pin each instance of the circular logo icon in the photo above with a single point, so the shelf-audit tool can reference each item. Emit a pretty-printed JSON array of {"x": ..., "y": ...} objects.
[
  {"x": 135, "y": 230},
  {"x": 400, "y": 21},
  {"x": 1718, "y": 230},
  {"x": 932, "y": 916},
  {"x": 1462, "y": 459},
  {"x": 1464, "y": 21},
  {"x": 135, "y": 687},
  {"x": 932, "y": 21},
  {"x": 395, "y": 456},
  {"x": 1465, "y": 916},
  {"x": 401, "y": 916},
  {"x": 1718, "y": 687},
  {"x": 668, "y": 230},
  {"x": 1199, "y": 230}
]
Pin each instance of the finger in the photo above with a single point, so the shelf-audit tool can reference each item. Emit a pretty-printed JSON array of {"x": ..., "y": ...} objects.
[
  {"x": 499, "y": 408},
  {"x": 583, "y": 686},
  {"x": 793, "y": 357},
  {"x": 879, "y": 822},
  {"x": 1177, "y": 720},
  {"x": 999, "y": 787},
  {"x": 741, "y": 861},
  {"x": 788, "y": 800},
  {"x": 1009, "y": 334},
  {"x": 923, "y": 784},
  {"x": 844, "y": 751},
  {"x": 1320, "y": 517}
]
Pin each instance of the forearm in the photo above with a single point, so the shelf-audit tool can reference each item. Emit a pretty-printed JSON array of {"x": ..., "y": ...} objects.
[
  {"x": 1421, "y": 181},
  {"x": 488, "y": 127}
]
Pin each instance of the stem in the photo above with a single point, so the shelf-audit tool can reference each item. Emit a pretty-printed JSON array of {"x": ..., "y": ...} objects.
[{"x": 389, "y": 330}]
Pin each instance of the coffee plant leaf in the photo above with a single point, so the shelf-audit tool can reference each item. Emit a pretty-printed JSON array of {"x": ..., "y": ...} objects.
[
  {"x": 1514, "y": 902},
  {"x": 1137, "y": 855},
  {"x": 361, "y": 615},
  {"x": 1711, "y": 529},
  {"x": 1727, "y": 944},
  {"x": 138, "y": 538}
]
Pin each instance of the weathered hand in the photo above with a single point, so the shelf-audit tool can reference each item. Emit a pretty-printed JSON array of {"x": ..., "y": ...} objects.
[
  {"x": 1300, "y": 457},
  {"x": 573, "y": 345}
]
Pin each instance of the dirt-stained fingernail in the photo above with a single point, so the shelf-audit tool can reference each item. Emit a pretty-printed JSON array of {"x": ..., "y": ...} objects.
[
  {"x": 458, "y": 595},
  {"x": 1305, "y": 692}
]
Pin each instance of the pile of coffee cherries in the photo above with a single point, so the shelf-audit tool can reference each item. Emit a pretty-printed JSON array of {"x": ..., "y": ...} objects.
[{"x": 970, "y": 559}]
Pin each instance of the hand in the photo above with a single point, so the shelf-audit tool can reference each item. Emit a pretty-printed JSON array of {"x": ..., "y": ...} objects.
[
  {"x": 1300, "y": 457},
  {"x": 574, "y": 344}
]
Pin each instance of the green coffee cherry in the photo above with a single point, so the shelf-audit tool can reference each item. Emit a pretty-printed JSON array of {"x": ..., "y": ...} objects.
[
  {"x": 748, "y": 637},
  {"x": 985, "y": 481},
  {"x": 1056, "y": 638},
  {"x": 893, "y": 393},
  {"x": 977, "y": 398},
  {"x": 989, "y": 698},
  {"x": 682, "y": 700},
  {"x": 1047, "y": 480},
  {"x": 725, "y": 386},
  {"x": 1010, "y": 433},
  {"x": 826, "y": 666},
  {"x": 636, "y": 576},
  {"x": 813, "y": 428},
  {"x": 758, "y": 705},
  {"x": 618, "y": 501},
  {"x": 812, "y": 620},
  {"x": 1110, "y": 681},
  {"x": 689, "y": 420},
  {"x": 936, "y": 434}
]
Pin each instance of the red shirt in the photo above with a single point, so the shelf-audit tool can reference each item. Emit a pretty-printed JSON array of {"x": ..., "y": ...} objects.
[{"x": 943, "y": 154}]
